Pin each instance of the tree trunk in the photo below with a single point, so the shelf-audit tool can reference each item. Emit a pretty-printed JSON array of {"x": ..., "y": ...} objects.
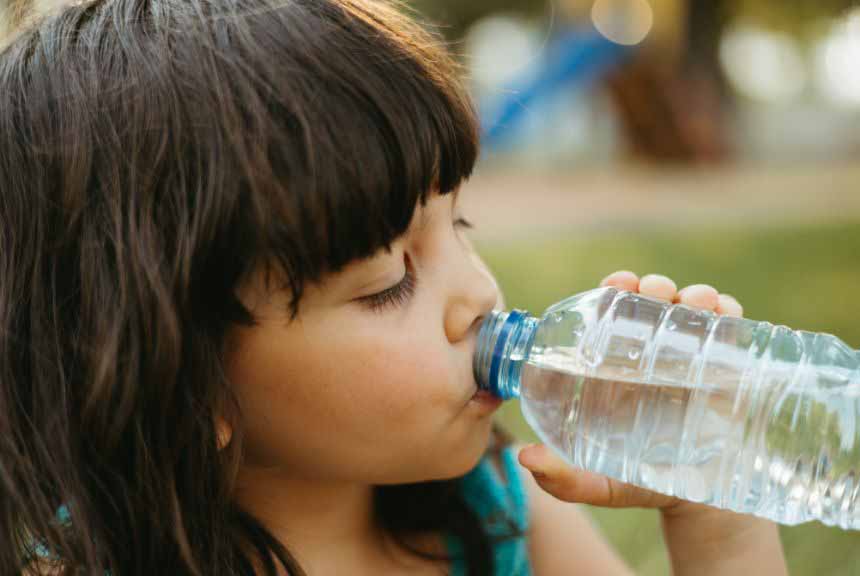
[{"x": 676, "y": 111}]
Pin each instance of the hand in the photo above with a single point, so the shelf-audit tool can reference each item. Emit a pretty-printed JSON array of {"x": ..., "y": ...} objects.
[
  {"x": 702, "y": 540},
  {"x": 696, "y": 295},
  {"x": 564, "y": 482}
]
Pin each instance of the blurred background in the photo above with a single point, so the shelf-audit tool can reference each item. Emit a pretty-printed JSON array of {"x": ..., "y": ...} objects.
[{"x": 714, "y": 141}]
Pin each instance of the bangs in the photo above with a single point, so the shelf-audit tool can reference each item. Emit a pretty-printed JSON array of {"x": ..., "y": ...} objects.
[
  {"x": 299, "y": 133},
  {"x": 362, "y": 124}
]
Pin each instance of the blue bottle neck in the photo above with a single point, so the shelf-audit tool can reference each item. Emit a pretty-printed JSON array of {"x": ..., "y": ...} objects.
[{"x": 504, "y": 343}]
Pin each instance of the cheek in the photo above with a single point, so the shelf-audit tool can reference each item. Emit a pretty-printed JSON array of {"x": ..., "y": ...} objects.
[
  {"x": 405, "y": 375},
  {"x": 345, "y": 396}
]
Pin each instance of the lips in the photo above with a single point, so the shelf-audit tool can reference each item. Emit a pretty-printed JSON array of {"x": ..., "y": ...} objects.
[
  {"x": 486, "y": 399},
  {"x": 483, "y": 397}
]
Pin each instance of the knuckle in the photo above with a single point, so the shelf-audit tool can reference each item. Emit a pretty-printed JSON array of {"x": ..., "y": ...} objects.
[{"x": 613, "y": 494}]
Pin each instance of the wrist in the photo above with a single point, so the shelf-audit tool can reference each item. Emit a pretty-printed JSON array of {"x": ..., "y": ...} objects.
[
  {"x": 714, "y": 527},
  {"x": 706, "y": 522},
  {"x": 706, "y": 540}
]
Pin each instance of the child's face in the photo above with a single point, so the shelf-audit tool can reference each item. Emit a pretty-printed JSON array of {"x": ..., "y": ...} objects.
[{"x": 347, "y": 393}]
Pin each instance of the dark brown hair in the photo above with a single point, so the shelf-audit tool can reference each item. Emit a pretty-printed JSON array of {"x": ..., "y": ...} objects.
[{"x": 152, "y": 154}]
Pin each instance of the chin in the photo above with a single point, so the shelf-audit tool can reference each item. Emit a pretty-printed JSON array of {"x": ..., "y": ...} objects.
[{"x": 467, "y": 455}]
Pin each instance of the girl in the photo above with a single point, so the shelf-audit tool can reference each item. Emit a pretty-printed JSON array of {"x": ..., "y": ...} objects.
[{"x": 238, "y": 310}]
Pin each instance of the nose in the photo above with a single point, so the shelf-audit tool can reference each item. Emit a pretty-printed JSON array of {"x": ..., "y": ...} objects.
[{"x": 475, "y": 293}]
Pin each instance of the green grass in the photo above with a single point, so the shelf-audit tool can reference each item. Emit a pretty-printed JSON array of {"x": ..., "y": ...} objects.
[{"x": 806, "y": 278}]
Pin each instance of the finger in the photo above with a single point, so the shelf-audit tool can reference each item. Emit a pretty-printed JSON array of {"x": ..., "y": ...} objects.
[
  {"x": 658, "y": 286},
  {"x": 564, "y": 482},
  {"x": 728, "y": 306},
  {"x": 698, "y": 296},
  {"x": 570, "y": 484},
  {"x": 623, "y": 280}
]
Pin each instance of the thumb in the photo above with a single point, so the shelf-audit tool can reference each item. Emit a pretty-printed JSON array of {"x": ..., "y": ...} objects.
[{"x": 570, "y": 484}]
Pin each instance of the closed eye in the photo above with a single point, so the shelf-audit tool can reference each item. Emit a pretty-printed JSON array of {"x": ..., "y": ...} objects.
[
  {"x": 463, "y": 223},
  {"x": 396, "y": 295}
]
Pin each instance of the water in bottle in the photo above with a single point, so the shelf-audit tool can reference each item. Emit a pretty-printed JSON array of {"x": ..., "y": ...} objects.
[{"x": 725, "y": 411}]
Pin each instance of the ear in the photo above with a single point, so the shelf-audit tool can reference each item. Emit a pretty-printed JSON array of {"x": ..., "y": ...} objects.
[{"x": 223, "y": 432}]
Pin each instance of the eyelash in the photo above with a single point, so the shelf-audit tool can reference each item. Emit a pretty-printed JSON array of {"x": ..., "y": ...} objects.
[
  {"x": 395, "y": 296},
  {"x": 463, "y": 223},
  {"x": 403, "y": 291}
]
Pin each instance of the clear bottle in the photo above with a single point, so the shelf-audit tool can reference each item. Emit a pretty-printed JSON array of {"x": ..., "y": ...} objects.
[{"x": 726, "y": 411}]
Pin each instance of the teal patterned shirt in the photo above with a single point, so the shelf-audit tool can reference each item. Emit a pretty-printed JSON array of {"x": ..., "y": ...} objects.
[{"x": 491, "y": 496}]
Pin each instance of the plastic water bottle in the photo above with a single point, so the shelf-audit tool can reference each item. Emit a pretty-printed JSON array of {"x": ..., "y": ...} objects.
[{"x": 730, "y": 412}]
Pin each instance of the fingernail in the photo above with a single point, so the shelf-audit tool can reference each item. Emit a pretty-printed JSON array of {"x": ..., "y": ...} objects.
[
  {"x": 704, "y": 287},
  {"x": 731, "y": 306},
  {"x": 656, "y": 277}
]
